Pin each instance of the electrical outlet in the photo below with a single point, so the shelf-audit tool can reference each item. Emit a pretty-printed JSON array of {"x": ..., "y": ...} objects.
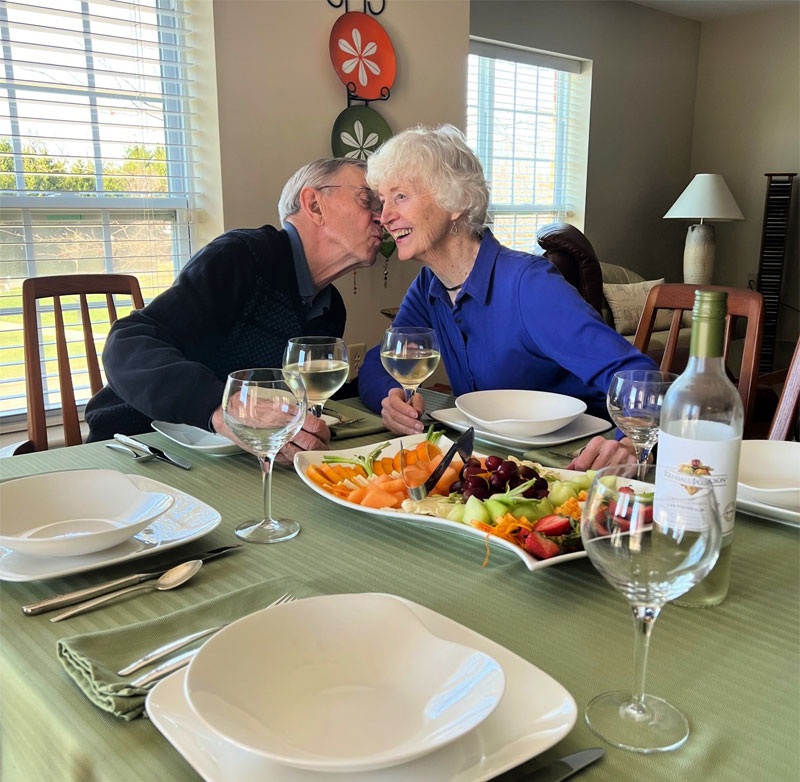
[{"x": 356, "y": 353}]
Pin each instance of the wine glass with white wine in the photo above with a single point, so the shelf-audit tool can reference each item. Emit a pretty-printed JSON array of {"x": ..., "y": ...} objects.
[
  {"x": 410, "y": 354},
  {"x": 652, "y": 540},
  {"x": 634, "y": 403},
  {"x": 322, "y": 364},
  {"x": 265, "y": 408}
]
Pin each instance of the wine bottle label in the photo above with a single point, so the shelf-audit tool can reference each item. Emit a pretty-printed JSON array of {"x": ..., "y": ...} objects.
[{"x": 689, "y": 462}]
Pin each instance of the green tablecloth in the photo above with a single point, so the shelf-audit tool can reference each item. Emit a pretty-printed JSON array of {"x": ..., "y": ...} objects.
[{"x": 733, "y": 669}]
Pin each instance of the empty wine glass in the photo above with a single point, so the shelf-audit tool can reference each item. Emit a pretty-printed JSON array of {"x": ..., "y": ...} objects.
[
  {"x": 652, "y": 540},
  {"x": 634, "y": 403},
  {"x": 409, "y": 354},
  {"x": 322, "y": 364},
  {"x": 265, "y": 408}
]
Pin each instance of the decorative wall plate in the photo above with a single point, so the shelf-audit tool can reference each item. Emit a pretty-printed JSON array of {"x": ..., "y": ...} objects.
[
  {"x": 357, "y": 132},
  {"x": 362, "y": 53}
]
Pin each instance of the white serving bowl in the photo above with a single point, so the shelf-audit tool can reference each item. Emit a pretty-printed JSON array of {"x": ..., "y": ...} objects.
[
  {"x": 67, "y": 514},
  {"x": 521, "y": 413},
  {"x": 340, "y": 683},
  {"x": 769, "y": 473}
]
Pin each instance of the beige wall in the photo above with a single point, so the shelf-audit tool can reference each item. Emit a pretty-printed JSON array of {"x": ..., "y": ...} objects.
[
  {"x": 643, "y": 86},
  {"x": 279, "y": 96},
  {"x": 747, "y": 123}
]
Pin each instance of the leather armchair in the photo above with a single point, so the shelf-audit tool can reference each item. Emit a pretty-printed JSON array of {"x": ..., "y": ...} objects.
[{"x": 572, "y": 253}]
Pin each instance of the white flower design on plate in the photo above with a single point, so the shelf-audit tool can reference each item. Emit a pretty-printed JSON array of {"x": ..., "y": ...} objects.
[
  {"x": 361, "y": 145},
  {"x": 359, "y": 57}
]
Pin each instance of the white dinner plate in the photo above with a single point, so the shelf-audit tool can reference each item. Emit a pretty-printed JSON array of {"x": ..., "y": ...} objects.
[
  {"x": 769, "y": 512},
  {"x": 535, "y": 713},
  {"x": 769, "y": 473},
  {"x": 187, "y": 519},
  {"x": 196, "y": 439},
  {"x": 304, "y": 459},
  {"x": 584, "y": 425}
]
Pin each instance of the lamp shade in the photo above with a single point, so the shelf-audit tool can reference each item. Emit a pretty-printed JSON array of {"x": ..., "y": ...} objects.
[{"x": 706, "y": 197}]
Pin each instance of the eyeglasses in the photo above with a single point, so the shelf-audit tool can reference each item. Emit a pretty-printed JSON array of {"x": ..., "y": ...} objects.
[{"x": 367, "y": 199}]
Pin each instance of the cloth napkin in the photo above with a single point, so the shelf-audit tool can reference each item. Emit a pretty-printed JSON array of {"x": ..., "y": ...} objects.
[
  {"x": 559, "y": 456},
  {"x": 92, "y": 659},
  {"x": 354, "y": 408}
]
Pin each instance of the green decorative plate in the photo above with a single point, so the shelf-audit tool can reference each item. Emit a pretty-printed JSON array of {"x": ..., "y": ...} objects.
[{"x": 358, "y": 131}]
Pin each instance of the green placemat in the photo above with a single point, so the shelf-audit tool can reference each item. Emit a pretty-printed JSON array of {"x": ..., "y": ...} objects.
[
  {"x": 92, "y": 659},
  {"x": 354, "y": 408}
]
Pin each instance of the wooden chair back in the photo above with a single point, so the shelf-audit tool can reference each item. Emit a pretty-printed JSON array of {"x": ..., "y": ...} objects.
[
  {"x": 784, "y": 422},
  {"x": 742, "y": 303},
  {"x": 82, "y": 285}
]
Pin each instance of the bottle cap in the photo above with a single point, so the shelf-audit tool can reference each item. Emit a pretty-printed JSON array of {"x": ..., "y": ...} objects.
[{"x": 710, "y": 304}]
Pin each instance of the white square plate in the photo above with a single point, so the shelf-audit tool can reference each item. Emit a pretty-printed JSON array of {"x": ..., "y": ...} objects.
[
  {"x": 583, "y": 426},
  {"x": 304, "y": 459},
  {"x": 535, "y": 713},
  {"x": 196, "y": 439},
  {"x": 187, "y": 519},
  {"x": 769, "y": 512}
]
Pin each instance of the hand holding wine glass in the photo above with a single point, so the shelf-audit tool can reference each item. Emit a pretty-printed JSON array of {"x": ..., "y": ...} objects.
[
  {"x": 264, "y": 409},
  {"x": 634, "y": 403},
  {"x": 410, "y": 354},
  {"x": 322, "y": 364},
  {"x": 652, "y": 540}
]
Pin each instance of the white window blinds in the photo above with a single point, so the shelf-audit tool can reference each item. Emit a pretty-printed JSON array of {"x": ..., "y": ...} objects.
[
  {"x": 527, "y": 120},
  {"x": 95, "y": 154}
]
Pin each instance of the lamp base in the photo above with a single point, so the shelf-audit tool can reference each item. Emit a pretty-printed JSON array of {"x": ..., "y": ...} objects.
[{"x": 698, "y": 254}]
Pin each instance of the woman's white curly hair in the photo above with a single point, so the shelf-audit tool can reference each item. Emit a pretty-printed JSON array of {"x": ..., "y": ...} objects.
[{"x": 439, "y": 161}]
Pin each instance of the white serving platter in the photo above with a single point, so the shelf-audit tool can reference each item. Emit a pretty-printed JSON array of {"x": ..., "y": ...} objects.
[
  {"x": 196, "y": 439},
  {"x": 304, "y": 459},
  {"x": 584, "y": 425},
  {"x": 535, "y": 713},
  {"x": 186, "y": 520}
]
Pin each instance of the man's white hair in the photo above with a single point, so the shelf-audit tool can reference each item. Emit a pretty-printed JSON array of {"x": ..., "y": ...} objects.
[{"x": 313, "y": 174}]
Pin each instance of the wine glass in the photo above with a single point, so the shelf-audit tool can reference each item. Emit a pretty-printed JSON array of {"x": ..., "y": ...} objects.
[
  {"x": 634, "y": 403},
  {"x": 322, "y": 364},
  {"x": 409, "y": 354},
  {"x": 265, "y": 408},
  {"x": 652, "y": 540}
]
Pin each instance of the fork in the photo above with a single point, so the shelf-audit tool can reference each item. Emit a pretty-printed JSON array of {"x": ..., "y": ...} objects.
[
  {"x": 341, "y": 420},
  {"x": 179, "y": 643}
]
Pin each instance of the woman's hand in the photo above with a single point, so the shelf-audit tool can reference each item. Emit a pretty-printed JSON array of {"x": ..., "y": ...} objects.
[
  {"x": 314, "y": 436},
  {"x": 600, "y": 452},
  {"x": 400, "y": 417}
]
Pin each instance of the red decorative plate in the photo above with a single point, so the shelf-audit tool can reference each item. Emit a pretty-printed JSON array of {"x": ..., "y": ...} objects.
[{"x": 362, "y": 54}]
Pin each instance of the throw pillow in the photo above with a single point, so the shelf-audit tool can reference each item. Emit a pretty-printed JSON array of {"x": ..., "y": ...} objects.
[{"x": 627, "y": 302}]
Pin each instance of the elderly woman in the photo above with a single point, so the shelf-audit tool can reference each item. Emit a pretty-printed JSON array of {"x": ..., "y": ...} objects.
[{"x": 503, "y": 318}]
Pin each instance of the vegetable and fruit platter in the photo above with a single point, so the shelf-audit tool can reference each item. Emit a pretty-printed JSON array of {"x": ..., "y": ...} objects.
[{"x": 519, "y": 505}]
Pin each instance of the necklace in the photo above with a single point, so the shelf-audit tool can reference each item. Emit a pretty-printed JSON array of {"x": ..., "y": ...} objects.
[{"x": 454, "y": 288}]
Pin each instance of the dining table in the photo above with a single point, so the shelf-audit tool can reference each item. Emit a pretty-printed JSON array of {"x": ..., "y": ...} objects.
[{"x": 733, "y": 669}]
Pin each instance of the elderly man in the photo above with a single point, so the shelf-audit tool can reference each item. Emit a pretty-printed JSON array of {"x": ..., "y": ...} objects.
[{"x": 236, "y": 303}]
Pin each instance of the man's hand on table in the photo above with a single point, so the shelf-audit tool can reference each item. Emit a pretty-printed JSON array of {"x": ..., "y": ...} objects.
[
  {"x": 600, "y": 452},
  {"x": 400, "y": 417},
  {"x": 314, "y": 436}
]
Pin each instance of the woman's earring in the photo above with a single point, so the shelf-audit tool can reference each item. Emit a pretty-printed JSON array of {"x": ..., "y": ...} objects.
[
  {"x": 454, "y": 228},
  {"x": 355, "y": 282},
  {"x": 385, "y": 272}
]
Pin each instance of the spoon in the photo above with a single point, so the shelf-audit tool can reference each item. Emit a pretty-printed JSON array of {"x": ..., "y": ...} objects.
[
  {"x": 174, "y": 577},
  {"x": 137, "y": 457}
]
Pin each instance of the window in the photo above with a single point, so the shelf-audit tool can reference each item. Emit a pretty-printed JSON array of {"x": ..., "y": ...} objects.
[
  {"x": 95, "y": 158},
  {"x": 527, "y": 120}
]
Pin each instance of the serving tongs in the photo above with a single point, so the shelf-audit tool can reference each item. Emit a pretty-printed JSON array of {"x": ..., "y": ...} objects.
[{"x": 462, "y": 446}]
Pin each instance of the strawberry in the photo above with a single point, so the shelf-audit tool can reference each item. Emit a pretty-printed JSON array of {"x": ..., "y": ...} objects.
[
  {"x": 541, "y": 547},
  {"x": 553, "y": 525}
]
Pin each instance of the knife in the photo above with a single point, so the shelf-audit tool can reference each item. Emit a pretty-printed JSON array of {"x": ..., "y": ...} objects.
[
  {"x": 70, "y": 598},
  {"x": 462, "y": 446},
  {"x": 565, "y": 767},
  {"x": 153, "y": 451}
]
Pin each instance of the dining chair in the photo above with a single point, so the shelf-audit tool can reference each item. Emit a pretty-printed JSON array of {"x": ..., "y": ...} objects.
[
  {"x": 742, "y": 303},
  {"x": 785, "y": 421},
  {"x": 82, "y": 285}
]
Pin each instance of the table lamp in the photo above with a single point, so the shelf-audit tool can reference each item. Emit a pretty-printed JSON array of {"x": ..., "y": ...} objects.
[{"x": 707, "y": 197}]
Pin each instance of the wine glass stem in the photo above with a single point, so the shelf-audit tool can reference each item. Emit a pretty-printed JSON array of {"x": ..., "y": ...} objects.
[
  {"x": 266, "y": 485},
  {"x": 316, "y": 410},
  {"x": 410, "y": 392},
  {"x": 644, "y": 617},
  {"x": 642, "y": 454}
]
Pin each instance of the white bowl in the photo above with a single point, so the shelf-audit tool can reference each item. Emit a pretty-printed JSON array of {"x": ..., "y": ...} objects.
[
  {"x": 67, "y": 514},
  {"x": 769, "y": 473},
  {"x": 521, "y": 413},
  {"x": 340, "y": 683}
]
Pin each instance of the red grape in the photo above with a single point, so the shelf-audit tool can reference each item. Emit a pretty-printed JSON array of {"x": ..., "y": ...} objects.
[{"x": 493, "y": 462}]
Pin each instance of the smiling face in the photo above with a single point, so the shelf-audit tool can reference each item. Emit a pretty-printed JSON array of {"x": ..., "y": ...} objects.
[
  {"x": 351, "y": 225},
  {"x": 420, "y": 226}
]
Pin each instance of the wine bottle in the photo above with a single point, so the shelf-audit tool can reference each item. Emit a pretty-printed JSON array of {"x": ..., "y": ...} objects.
[{"x": 700, "y": 432}]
